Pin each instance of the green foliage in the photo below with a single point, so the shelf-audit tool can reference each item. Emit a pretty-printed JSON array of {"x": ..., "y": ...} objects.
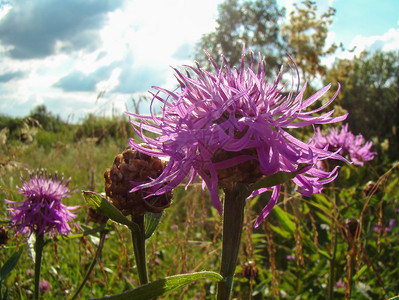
[
  {"x": 103, "y": 128},
  {"x": 253, "y": 23},
  {"x": 13, "y": 127},
  {"x": 163, "y": 287},
  {"x": 46, "y": 120},
  {"x": 105, "y": 208},
  {"x": 306, "y": 34},
  {"x": 370, "y": 93}
]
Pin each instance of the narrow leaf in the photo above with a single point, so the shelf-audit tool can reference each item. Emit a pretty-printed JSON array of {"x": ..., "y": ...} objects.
[
  {"x": 285, "y": 234},
  {"x": 284, "y": 219},
  {"x": 164, "y": 286},
  {"x": 278, "y": 178},
  {"x": 151, "y": 221},
  {"x": 10, "y": 264},
  {"x": 103, "y": 207}
]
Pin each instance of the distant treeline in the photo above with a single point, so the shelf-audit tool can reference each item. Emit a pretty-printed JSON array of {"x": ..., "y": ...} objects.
[{"x": 47, "y": 129}]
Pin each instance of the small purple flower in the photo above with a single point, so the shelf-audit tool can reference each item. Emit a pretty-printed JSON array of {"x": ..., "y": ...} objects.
[
  {"x": 44, "y": 286},
  {"x": 231, "y": 127},
  {"x": 340, "y": 284},
  {"x": 380, "y": 227},
  {"x": 346, "y": 143},
  {"x": 42, "y": 211}
]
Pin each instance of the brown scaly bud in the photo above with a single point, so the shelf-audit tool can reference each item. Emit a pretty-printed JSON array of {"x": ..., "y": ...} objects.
[
  {"x": 370, "y": 188},
  {"x": 3, "y": 236},
  {"x": 93, "y": 216},
  {"x": 350, "y": 229},
  {"x": 250, "y": 270},
  {"x": 133, "y": 166}
]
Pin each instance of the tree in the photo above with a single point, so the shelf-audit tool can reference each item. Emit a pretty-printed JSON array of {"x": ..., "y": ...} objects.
[
  {"x": 46, "y": 118},
  {"x": 370, "y": 93},
  {"x": 306, "y": 35},
  {"x": 253, "y": 23}
]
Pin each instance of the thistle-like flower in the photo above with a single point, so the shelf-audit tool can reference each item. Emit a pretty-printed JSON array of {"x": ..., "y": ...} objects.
[
  {"x": 230, "y": 127},
  {"x": 42, "y": 211},
  {"x": 354, "y": 148}
]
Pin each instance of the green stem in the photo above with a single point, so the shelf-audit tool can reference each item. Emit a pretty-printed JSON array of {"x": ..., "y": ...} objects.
[
  {"x": 332, "y": 267},
  {"x": 39, "y": 244},
  {"x": 334, "y": 250},
  {"x": 138, "y": 239},
  {"x": 93, "y": 263},
  {"x": 233, "y": 217}
]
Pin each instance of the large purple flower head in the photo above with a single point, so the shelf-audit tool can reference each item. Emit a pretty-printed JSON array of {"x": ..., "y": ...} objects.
[
  {"x": 42, "y": 211},
  {"x": 230, "y": 127},
  {"x": 354, "y": 148}
]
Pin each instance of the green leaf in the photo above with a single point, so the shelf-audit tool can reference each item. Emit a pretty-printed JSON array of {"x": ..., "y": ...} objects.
[
  {"x": 151, "y": 221},
  {"x": 278, "y": 178},
  {"x": 323, "y": 217},
  {"x": 285, "y": 219},
  {"x": 324, "y": 202},
  {"x": 103, "y": 207},
  {"x": 285, "y": 234},
  {"x": 164, "y": 286},
  {"x": 9, "y": 265}
]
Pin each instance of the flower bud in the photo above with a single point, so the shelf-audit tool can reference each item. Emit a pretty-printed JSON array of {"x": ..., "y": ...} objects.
[
  {"x": 130, "y": 169},
  {"x": 3, "y": 236},
  {"x": 250, "y": 270}
]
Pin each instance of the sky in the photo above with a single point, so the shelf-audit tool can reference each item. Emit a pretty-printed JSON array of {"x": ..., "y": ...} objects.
[{"x": 66, "y": 53}]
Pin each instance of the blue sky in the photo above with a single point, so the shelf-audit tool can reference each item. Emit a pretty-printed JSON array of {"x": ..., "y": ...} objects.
[{"x": 63, "y": 53}]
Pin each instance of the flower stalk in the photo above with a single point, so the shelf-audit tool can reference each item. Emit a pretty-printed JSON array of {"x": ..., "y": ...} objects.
[
  {"x": 103, "y": 234},
  {"x": 138, "y": 239},
  {"x": 39, "y": 245},
  {"x": 233, "y": 217}
]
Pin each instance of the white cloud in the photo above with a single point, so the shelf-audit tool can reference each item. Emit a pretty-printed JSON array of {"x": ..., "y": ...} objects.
[
  {"x": 388, "y": 41},
  {"x": 136, "y": 44}
]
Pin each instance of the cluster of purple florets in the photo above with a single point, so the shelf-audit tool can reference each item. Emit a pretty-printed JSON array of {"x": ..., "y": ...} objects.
[
  {"x": 354, "y": 148},
  {"x": 42, "y": 211}
]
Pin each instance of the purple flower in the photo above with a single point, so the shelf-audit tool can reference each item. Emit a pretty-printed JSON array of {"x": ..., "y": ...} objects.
[
  {"x": 231, "y": 127},
  {"x": 346, "y": 143},
  {"x": 340, "y": 284},
  {"x": 42, "y": 211},
  {"x": 380, "y": 227},
  {"x": 44, "y": 286}
]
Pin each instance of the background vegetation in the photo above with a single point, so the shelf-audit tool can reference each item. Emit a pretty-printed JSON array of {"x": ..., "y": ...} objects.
[{"x": 342, "y": 243}]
